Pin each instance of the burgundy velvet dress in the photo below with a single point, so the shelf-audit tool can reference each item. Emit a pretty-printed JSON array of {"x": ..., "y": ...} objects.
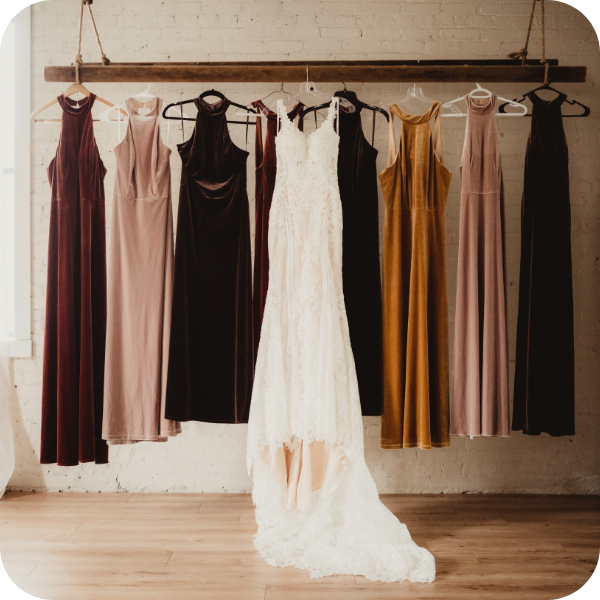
[
  {"x": 211, "y": 353},
  {"x": 75, "y": 320},
  {"x": 266, "y": 170},
  {"x": 544, "y": 399}
]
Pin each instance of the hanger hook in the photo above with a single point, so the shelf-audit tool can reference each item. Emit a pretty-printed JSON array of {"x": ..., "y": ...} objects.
[{"x": 344, "y": 86}]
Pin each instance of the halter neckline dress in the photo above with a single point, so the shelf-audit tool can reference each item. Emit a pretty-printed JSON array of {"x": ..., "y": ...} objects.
[
  {"x": 75, "y": 319},
  {"x": 415, "y": 303},
  {"x": 211, "y": 353},
  {"x": 140, "y": 285}
]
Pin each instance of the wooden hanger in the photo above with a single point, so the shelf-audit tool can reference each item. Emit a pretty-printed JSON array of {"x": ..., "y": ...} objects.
[{"x": 73, "y": 89}]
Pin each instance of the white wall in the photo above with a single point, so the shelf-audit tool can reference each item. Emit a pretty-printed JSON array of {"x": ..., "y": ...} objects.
[{"x": 211, "y": 458}]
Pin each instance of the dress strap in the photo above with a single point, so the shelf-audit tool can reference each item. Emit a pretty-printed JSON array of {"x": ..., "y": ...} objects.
[
  {"x": 280, "y": 113},
  {"x": 334, "y": 111},
  {"x": 392, "y": 138},
  {"x": 437, "y": 132}
]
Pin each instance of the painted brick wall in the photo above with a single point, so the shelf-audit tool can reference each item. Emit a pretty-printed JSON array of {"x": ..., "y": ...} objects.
[{"x": 211, "y": 458}]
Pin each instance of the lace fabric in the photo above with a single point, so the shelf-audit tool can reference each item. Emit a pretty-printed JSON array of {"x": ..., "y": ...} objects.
[{"x": 305, "y": 387}]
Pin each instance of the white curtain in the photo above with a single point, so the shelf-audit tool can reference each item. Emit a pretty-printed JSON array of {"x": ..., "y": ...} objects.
[{"x": 7, "y": 452}]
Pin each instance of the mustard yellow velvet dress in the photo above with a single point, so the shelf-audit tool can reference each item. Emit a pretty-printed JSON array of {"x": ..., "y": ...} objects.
[{"x": 415, "y": 302}]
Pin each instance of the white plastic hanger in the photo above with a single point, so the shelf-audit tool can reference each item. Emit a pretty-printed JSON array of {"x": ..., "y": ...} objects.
[{"x": 481, "y": 93}]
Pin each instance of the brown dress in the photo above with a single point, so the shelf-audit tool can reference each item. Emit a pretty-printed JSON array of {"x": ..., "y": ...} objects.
[
  {"x": 211, "y": 354},
  {"x": 75, "y": 323},
  {"x": 544, "y": 399},
  {"x": 480, "y": 383},
  {"x": 266, "y": 170},
  {"x": 415, "y": 304},
  {"x": 140, "y": 286}
]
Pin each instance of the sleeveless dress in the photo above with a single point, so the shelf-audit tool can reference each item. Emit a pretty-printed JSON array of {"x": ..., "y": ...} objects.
[
  {"x": 357, "y": 176},
  {"x": 75, "y": 320},
  {"x": 415, "y": 302},
  {"x": 211, "y": 353},
  {"x": 317, "y": 506},
  {"x": 480, "y": 384},
  {"x": 544, "y": 398},
  {"x": 266, "y": 170},
  {"x": 140, "y": 286}
]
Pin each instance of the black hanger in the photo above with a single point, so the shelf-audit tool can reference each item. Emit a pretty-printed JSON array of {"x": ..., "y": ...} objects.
[
  {"x": 351, "y": 97},
  {"x": 215, "y": 93},
  {"x": 585, "y": 113}
]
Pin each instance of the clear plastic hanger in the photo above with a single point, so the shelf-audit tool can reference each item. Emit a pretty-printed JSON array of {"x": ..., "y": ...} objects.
[
  {"x": 480, "y": 93},
  {"x": 416, "y": 93},
  {"x": 309, "y": 87}
]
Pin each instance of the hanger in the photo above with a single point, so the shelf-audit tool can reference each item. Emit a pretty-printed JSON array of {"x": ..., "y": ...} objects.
[
  {"x": 211, "y": 92},
  {"x": 416, "y": 93},
  {"x": 351, "y": 97},
  {"x": 75, "y": 88},
  {"x": 272, "y": 104},
  {"x": 547, "y": 86},
  {"x": 480, "y": 92},
  {"x": 309, "y": 87}
]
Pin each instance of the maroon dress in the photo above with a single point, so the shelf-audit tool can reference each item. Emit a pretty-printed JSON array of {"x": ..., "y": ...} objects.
[
  {"x": 266, "y": 170},
  {"x": 75, "y": 324}
]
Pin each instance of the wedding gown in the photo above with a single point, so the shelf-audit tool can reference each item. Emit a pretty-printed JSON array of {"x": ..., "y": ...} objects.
[{"x": 317, "y": 506}]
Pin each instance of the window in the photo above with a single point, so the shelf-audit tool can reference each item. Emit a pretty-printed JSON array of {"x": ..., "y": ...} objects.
[{"x": 15, "y": 277}]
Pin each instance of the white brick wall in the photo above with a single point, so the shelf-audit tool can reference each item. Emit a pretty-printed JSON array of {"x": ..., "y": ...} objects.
[{"x": 211, "y": 458}]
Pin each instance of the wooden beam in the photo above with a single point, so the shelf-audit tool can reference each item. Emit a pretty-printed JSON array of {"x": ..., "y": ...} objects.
[{"x": 320, "y": 71}]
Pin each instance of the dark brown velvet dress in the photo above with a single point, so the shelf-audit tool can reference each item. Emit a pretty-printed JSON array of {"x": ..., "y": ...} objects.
[
  {"x": 357, "y": 178},
  {"x": 211, "y": 355},
  {"x": 75, "y": 323},
  {"x": 266, "y": 170},
  {"x": 544, "y": 399}
]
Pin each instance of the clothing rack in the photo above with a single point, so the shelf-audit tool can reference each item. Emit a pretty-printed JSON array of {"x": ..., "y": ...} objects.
[{"x": 456, "y": 70}]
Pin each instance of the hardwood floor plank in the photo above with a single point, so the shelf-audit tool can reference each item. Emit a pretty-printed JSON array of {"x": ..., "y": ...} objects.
[{"x": 135, "y": 546}]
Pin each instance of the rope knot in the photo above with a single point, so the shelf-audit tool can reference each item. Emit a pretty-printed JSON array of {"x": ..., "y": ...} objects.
[
  {"x": 105, "y": 59},
  {"x": 522, "y": 54},
  {"x": 78, "y": 59}
]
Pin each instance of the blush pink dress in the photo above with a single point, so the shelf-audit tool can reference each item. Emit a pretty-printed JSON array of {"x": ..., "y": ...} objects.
[
  {"x": 140, "y": 285},
  {"x": 480, "y": 386}
]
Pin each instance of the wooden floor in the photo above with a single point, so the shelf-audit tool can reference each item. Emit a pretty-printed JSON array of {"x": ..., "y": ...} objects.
[{"x": 184, "y": 546}]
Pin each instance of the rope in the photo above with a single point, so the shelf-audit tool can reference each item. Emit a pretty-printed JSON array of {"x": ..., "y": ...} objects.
[
  {"x": 78, "y": 57},
  {"x": 522, "y": 53}
]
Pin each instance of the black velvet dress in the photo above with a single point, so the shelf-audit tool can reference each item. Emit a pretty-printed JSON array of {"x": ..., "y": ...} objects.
[
  {"x": 544, "y": 399},
  {"x": 357, "y": 179},
  {"x": 211, "y": 356}
]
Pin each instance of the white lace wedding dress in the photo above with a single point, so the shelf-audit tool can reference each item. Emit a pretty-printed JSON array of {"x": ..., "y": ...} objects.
[{"x": 317, "y": 506}]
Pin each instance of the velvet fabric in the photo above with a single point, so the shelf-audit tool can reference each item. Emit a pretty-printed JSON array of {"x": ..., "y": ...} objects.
[
  {"x": 140, "y": 285},
  {"x": 544, "y": 395},
  {"x": 480, "y": 378},
  {"x": 75, "y": 320},
  {"x": 266, "y": 171},
  {"x": 357, "y": 178},
  {"x": 415, "y": 304},
  {"x": 211, "y": 355}
]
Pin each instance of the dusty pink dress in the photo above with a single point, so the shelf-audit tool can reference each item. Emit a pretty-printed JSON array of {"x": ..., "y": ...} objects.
[
  {"x": 480, "y": 387},
  {"x": 140, "y": 284}
]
